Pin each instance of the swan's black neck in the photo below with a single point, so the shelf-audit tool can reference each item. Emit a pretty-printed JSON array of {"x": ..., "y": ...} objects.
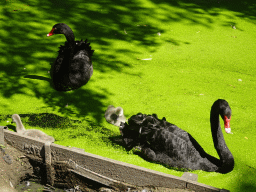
[
  {"x": 226, "y": 158},
  {"x": 71, "y": 42},
  {"x": 70, "y": 37}
]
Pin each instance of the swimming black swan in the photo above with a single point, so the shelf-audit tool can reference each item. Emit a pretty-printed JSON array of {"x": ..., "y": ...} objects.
[
  {"x": 115, "y": 115},
  {"x": 163, "y": 142},
  {"x": 73, "y": 67},
  {"x": 37, "y": 134}
]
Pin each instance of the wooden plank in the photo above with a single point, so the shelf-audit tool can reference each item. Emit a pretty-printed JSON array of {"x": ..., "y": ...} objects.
[{"x": 99, "y": 168}]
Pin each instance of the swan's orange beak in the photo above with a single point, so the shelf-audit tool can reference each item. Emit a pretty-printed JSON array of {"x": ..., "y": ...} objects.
[
  {"x": 227, "y": 124},
  {"x": 51, "y": 33}
]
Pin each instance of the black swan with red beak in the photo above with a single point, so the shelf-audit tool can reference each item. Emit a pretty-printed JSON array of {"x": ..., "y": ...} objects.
[
  {"x": 163, "y": 142},
  {"x": 73, "y": 67}
]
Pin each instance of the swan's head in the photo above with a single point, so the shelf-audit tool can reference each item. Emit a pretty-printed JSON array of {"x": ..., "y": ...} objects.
[
  {"x": 227, "y": 124},
  {"x": 15, "y": 118},
  {"x": 60, "y": 28},
  {"x": 115, "y": 115},
  {"x": 225, "y": 112},
  {"x": 119, "y": 111}
]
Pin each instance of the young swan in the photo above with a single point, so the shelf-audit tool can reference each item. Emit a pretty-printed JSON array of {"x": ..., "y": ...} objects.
[
  {"x": 37, "y": 134},
  {"x": 115, "y": 115}
]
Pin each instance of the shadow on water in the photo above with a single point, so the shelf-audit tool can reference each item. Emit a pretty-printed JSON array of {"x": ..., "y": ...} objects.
[
  {"x": 101, "y": 22},
  {"x": 38, "y": 77},
  {"x": 53, "y": 121}
]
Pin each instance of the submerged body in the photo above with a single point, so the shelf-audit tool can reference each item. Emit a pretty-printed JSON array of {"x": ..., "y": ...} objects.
[
  {"x": 163, "y": 142},
  {"x": 37, "y": 134}
]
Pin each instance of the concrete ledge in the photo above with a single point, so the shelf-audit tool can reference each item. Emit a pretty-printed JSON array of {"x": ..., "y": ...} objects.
[{"x": 97, "y": 168}]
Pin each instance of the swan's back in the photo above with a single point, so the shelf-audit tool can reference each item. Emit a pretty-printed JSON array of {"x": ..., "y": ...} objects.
[
  {"x": 81, "y": 69},
  {"x": 37, "y": 134},
  {"x": 182, "y": 150},
  {"x": 173, "y": 146},
  {"x": 71, "y": 73}
]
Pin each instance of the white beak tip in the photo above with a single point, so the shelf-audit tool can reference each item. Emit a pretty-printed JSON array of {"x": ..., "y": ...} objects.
[{"x": 228, "y": 130}]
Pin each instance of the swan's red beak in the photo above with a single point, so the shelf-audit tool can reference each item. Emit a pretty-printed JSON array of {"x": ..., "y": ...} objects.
[
  {"x": 227, "y": 124},
  {"x": 51, "y": 33}
]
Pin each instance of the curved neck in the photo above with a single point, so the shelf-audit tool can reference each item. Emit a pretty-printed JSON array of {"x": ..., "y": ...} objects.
[
  {"x": 70, "y": 37},
  {"x": 19, "y": 126},
  {"x": 226, "y": 158},
  {"x": 70, "y": 43}
]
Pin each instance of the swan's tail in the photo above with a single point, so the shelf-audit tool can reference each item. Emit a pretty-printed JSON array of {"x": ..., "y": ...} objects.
[
  {"x": 86, "y": 46},
  {"x": 115, "y": 115}
]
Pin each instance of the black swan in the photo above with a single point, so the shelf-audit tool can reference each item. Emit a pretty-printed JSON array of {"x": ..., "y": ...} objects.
[
  {"x": 115, "y": 115},
  {"x": 73, "y": 67},
  {"x": 37, "y": 134},
  {"x": 163, "y": 142}
]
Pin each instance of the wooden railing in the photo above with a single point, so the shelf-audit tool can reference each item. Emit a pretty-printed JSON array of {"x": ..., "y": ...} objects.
[{"x": 100, "y": 169}]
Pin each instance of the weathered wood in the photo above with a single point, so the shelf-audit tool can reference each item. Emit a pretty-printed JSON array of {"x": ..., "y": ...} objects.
[
  {"x": 97, "y": 168},
  {"x": 2, "y": 134},
  {"x": 190, "y": 176},
  {"x": 48, "y": 165}
]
